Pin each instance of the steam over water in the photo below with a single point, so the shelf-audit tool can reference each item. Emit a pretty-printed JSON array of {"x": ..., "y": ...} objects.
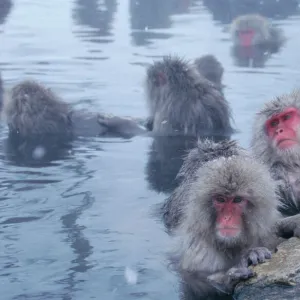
[{"x": 83, "y": 227}]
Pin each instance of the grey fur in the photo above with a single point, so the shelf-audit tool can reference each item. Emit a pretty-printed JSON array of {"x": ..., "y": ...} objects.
[
  {"x": 284, "y": 164},
  {"x": 34, "y": 111},
  {"x": 187, "y": 104},
  {"x": 200, "y": 253},
  {"x": 203, "y": 153},
  {"x": 266, "y": 34},
  {"x": 31, "y": 109},
  {"x": 210, "y": 68}
]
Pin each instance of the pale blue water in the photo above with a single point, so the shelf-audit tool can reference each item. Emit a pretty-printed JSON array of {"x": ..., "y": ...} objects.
[{"x": 68, "y": 231}]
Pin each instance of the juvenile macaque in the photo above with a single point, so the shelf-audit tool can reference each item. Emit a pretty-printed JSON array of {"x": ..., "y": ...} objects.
[
  {"x": 211, "y": 69},
  {"x": 255, "y": 30},
  {"x": 36, "y": 115},
  {"x": 228, "y": 215},
  {"x": 182, "y": 102},
  {"x": 276, "y": 140}
]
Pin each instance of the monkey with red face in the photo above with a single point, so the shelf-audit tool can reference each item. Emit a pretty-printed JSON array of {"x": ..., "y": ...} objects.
[
  {"x": 276, "y": 141},
  {"x": 225, "y": 214}
]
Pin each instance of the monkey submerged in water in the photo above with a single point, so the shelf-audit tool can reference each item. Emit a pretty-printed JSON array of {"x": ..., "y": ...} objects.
[
  {"x": 228, "y": 218},
  {"x": 276, "y": 140},
  {"x": 255, "y": 30},
  {"x": 182, "y": 102},
  {"x": 211, "y": 69},
  {"x": 35, "y": 114}
]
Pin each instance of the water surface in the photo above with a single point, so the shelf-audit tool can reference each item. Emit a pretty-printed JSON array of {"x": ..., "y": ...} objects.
[{"x": 70, "y": 230}]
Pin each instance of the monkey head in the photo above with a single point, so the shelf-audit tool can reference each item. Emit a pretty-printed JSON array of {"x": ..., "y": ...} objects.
[
  {"x": 33, "y": 110},
  {"x": 171, "y": 74},
  {"x": 210, "y": 68},
  {"x": 228, "y": 202},
  {"x": 250, "y": 30},
  {"x": 276, "y": 134}
]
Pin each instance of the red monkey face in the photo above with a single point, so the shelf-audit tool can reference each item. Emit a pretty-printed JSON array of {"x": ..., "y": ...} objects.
[
  {"x": 246, "y": 37},
  {"x": 282, "y": 128},
  {"x": 229, "y": 211}
]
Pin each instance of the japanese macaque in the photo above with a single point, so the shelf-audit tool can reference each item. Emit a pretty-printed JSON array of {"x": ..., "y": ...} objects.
[
  {"x": 182, "y": 102},
  {"x": 227, "y": 204},
  {"x": 35, "y": 114},
  {"x": 276, "y": 140},
  {"x": 254, "y": 30},
  {"x": 210, "y": 68}
]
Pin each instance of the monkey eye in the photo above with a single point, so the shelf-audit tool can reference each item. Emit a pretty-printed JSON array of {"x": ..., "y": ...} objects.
[
  {"x": 237, "y": 199},
  {"x": 274, "y": 123},
  {"x": 286, "y": 117},
  {"x": 220, "y": 199}
]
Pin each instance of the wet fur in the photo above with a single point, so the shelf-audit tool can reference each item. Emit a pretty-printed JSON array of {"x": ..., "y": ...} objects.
[
  {"x": 31, "y": 110},
  {"x": 187, "y": 104},
  {"x": 37, "y": 117},
  {"x": 199, "y": 253},
  {"x": 284, "y": 164},
  {"x": 266, "y": 35}
]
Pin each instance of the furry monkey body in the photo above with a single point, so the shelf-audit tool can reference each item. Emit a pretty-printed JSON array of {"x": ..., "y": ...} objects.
[
  {"x": 35, "y": 115},
  {"x": 276, "y": 140},
  {"x": 182, "y": 102},
  {"x": 225, "y": 215}
]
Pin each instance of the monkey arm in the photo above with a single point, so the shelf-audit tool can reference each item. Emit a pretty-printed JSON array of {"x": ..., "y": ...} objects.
[
  {"x": 125, "y": 127},
  {"x": 288, "y": 227}
]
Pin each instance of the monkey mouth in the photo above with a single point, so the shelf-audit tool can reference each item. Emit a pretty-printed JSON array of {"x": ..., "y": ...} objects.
[
  {"x": 229, "y": 231},
  {"x": 286, "y": 143}
]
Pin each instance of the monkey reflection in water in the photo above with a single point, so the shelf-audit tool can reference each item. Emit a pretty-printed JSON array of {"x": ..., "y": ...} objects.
[
  {"x": 42, "y": 125},
  {"x": 223, "y": 218},
  {"x": 255, "y": 39}
]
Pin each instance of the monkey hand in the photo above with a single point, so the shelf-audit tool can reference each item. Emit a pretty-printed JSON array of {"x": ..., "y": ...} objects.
[
  {"x": 225, "y": 282},
  {"x": 255, "y": 256},
  {"x": 123, "y": 127},
  {"x": 288, "y": 227}
]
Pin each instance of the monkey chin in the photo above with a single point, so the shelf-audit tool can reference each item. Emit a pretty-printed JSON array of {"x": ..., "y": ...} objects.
[
  {"x": 290, "y": 154},
  {"x": 228, "y": 235}
]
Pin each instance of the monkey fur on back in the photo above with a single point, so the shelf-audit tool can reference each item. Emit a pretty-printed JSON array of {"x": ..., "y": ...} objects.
[
  {"x": 200, "y": 253},
  {"x": 31, "y": 109},
  {"x": 182, "y": 102},
  {"x": 37, "y": 117},
  {"x": 284, "y": 164}
]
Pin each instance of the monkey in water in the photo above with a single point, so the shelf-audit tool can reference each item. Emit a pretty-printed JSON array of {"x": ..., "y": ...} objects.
[
  {"x": 254, "y": 30},
  {"x": 228, "y": 218},
  {"x": 276, "y": 140},
  {"x": 210, "y": 67},
  {"x": 35, "y": 115},
  {"x": 182, "y": 102}
]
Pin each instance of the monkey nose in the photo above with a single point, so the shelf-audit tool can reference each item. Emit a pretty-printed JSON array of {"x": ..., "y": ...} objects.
[{"x": 279, "y": 130}]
